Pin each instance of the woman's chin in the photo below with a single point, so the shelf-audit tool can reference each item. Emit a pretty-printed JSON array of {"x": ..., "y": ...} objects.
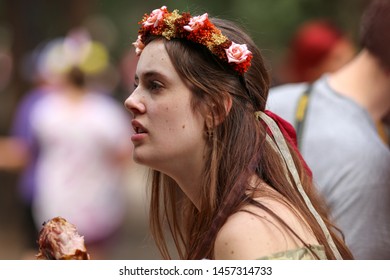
[{"x": 140, "y": 157}]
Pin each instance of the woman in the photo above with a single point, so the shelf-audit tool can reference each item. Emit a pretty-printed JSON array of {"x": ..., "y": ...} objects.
[{"x": 219, "y": 178}]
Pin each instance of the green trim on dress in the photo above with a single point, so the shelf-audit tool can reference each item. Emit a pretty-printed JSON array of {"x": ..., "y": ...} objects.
[{"x": 301, "y": 253}]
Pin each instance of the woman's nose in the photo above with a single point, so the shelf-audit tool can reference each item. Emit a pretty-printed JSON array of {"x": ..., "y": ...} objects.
[{"x": 134, "y": 103}]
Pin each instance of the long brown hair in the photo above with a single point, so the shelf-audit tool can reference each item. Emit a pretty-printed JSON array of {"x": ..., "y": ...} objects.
[{"x": 237, "y": 149}]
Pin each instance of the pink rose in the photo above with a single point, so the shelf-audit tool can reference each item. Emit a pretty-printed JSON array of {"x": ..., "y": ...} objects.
[
  {"x": 139, "y": 45},
  {"x": 237, "y": 53},
  {"x": 155, "y": 16},
  {"x": 196, "y": 22}
]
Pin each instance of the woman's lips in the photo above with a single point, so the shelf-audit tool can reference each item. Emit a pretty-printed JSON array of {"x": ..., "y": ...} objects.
[
  {"x": 138, "y": 127},
  {"x": 140, "y": 131}
]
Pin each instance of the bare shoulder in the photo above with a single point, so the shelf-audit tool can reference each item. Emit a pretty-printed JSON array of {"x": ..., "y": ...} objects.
[{"x": 253, "y": 232}]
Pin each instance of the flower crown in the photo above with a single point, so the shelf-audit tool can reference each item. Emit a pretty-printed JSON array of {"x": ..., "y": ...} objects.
[{"x": 197, "y": 29}]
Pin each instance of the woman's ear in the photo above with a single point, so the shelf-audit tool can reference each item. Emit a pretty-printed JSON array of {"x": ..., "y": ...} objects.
[{"x": 217, "y": 115}]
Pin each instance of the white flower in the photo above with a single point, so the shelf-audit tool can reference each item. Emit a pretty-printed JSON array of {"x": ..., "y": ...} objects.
[
  {"x": 196, "y": 22},
  {"x": 155, "y": 16},
  {"x": 139, "y": 45}
]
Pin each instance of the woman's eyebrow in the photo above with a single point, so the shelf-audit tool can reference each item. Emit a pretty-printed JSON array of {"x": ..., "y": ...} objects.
[{"x": 152, "y": 74}]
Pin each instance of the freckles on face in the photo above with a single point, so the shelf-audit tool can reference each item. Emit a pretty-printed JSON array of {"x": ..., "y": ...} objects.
[{"x": 174, "y": 129}]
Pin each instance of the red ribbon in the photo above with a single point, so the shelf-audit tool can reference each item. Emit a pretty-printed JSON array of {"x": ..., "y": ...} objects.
[{"x": 289, "y": 134}]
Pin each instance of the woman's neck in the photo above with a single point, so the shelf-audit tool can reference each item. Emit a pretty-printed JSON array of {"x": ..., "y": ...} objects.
[{"x": 188, "y": 174}]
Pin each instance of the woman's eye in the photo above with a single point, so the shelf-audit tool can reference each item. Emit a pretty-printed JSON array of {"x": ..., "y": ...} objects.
[{"x": 155, "y": 85}]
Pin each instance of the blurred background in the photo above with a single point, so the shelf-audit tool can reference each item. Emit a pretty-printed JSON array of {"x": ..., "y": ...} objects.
[{"x": 29, "y": 30}]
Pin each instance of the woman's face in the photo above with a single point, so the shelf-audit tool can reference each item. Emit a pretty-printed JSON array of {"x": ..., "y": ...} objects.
[{"x": 168, "y": 134}]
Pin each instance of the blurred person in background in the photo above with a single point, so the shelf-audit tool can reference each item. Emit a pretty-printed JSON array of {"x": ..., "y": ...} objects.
[
  {"x": 82, "y": 163},
  {"x": 71, "y": 140},
  {"x": 317, "y": 47},
  {"x": 84, "y": 153},
  {"x": 19, "y": 151},
  {"x": 337, "y": 119}
]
